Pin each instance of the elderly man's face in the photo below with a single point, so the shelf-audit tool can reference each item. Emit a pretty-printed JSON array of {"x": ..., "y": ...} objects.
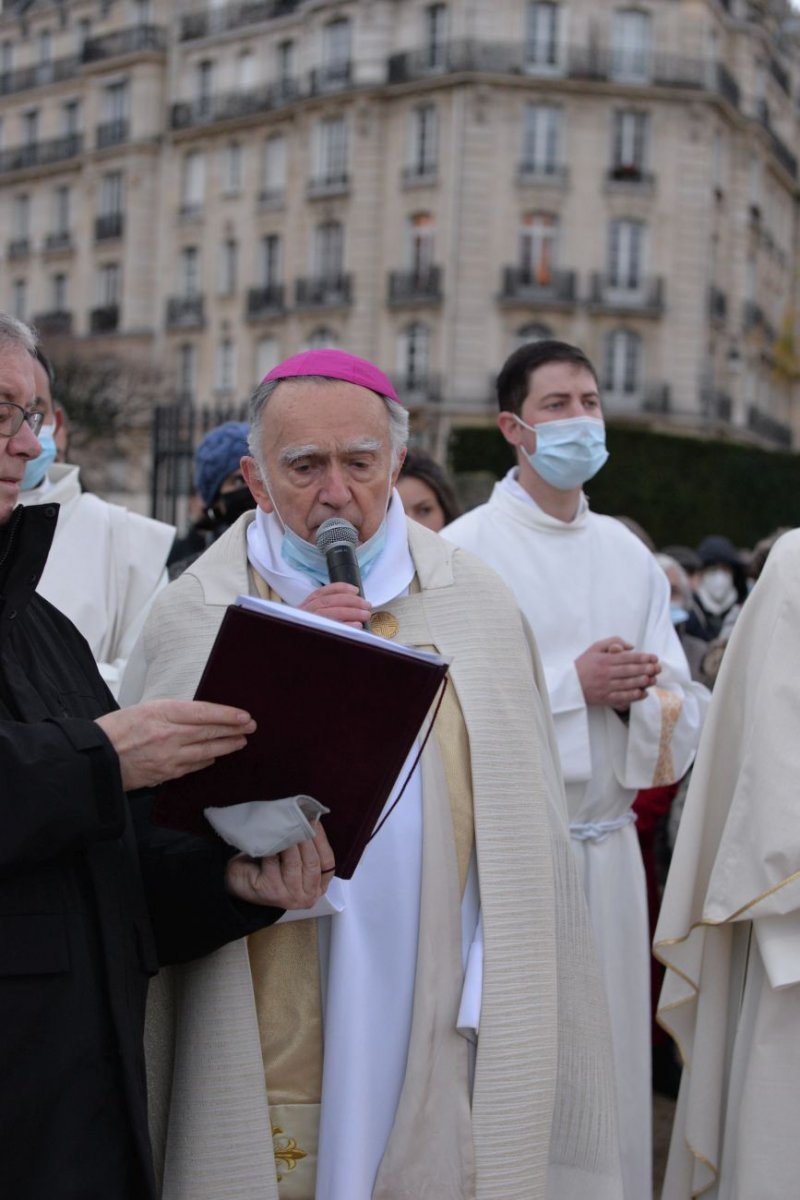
[
  {"x": 16, "y": 387},
  {"x": 326, "y": 448}
]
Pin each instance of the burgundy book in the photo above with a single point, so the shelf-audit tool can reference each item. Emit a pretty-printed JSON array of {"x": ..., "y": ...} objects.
[{"x": 338, "y": 712}]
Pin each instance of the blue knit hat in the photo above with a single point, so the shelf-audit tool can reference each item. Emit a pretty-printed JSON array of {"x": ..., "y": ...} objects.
[{"x": 217, "y": 457}]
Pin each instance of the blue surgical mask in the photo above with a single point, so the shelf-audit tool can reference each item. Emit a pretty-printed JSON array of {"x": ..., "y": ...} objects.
[
  {"x": 36, "y": 468},
  {"x": 305, "y": 556},
  {"x": 678, "y": 614},
  {"x": 568, "y": 452}
]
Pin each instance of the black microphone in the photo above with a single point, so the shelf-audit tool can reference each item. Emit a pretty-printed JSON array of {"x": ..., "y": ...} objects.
[{"x": 337, "y": 540}]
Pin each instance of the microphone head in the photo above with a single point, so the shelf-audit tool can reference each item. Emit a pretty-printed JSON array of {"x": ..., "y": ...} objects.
[{"x": 335, "y": 532}]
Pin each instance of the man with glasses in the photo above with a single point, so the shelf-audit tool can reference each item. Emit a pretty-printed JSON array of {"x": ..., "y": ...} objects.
[
  {"x": 82, "y": 871},
  {"x": 106, "y": 564}
]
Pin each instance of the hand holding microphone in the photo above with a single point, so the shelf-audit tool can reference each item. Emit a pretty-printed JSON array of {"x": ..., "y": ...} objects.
[{"x": 343, "y": 598}]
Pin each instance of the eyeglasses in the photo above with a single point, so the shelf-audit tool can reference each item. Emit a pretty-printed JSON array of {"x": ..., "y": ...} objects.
[{"x": 12, "y": 416}]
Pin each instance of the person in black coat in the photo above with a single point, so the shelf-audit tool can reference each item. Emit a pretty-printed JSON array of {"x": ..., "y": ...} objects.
[{"x": 93, "y": 897}]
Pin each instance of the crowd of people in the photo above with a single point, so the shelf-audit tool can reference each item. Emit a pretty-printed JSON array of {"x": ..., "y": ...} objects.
[{"x": 470, "y": 1016}]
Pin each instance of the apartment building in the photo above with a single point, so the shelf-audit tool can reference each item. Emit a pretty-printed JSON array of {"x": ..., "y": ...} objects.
[{"x": 213, "y": 186}]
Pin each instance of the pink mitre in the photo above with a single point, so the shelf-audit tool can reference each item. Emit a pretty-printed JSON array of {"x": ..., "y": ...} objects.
[{"x": 335, "y": 364}]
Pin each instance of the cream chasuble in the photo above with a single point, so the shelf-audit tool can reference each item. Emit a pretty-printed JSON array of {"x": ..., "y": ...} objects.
[
  {"x": 541, "y": 1125},
  {"x": 578, "y": 582},
  {"x": 729, "y": 929}
]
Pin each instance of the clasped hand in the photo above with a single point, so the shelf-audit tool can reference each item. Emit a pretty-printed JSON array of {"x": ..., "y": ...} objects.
[
  {"x": 611, "y": 672},
  {"x": 293, "y": 879}
]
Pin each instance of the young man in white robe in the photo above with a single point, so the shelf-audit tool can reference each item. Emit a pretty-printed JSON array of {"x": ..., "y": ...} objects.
[
  {"x": 729, "y": 929},
  {"x": 627, "y": 715},
  {"x": 106, "y": 564},
  {"x": 436, "y": 1029}
]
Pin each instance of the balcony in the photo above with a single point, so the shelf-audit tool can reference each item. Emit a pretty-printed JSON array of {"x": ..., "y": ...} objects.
[
  {"x": 324, "y": 291},
  {"x": 60, "y": 241},
  {"x": 410, "y": 288},
  {"x": 104, "y": 319},
  {"x": 333, "y": 184},
  {"x": 41, "y": 154},
  {"x": 643, "y": 297},
  {"x": 109, "y": 225},
  {"x": 656, "y": 398},
  {"x": 265, "y": 301},
  {"x": 56, "y": 323},
  {"x": 332, "y": 78},
  {"x": 630, "y": 177},
  {"x": 768, "y": 428},
  {"x": 232, "y": 16},
  {"x": 545, "y": 289},
  {"x": 717, "y": 304},
  {"x": 39, "y": 75},
  {"x": 19, "y": 248},
  {"x": 422, "y": 174},
  {"x": 754, "y": 317},
  {"x": 588, "y": 63},
  {"x": 185, "y": 312},
  {"x": 112, "y": 133},
  {"x": 138, "y": 39},
  {"x": 543, "y": 174},
  {"x": 417, "y": 391},
  {"x": 716, "y": 406},
  {"x": 230, "y": 106}
]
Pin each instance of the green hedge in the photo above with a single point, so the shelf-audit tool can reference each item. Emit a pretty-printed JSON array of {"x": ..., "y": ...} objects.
[{"x": 678, "y": 488}]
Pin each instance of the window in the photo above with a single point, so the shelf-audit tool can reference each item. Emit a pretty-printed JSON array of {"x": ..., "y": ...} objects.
[
  {"x": 6, "y": 57},
  {"x": 331, "y": 150},
  {"x": 232, "y": 161},
  {"x": 541, "y": 35},
  {"x": 423, "y": 139},
  {"x": 30, "y": 127},
  {"x": 21, "y": 217},
  {"x": 193, "y": 183},
  {"x": 228, "y": 266},
  {"x": 203, "y": 86},
  {"x": 108, "y": 285},
  {"x": 329, "y": 251},
  {"x": 60, "y": 210},
  {"x": 83, "y": 31},
  {"x": 336, "y": 50},
  {"x": 414, "y": 354},
  {"x": 541, "y": 139},
  {"x": 267, "y": 356},
  {"x": 246, "y": 75},
  {"x": 719, "y": 164},
  {"x": 629, "y": 147},
  {"x": 323, "y": 339},
  {"x": 187, "y": 371},
  {"x": 71, "y": 118},
  {"x": 115, "y": 101},
  {"x": 537, "y": 248},
  {"x": 284, "y": 73},
  {"x": 531, "y": 333},
  {"x": 58, "y": 292},
  {"x": 436, "y": 28},
  {"x": 142, "y": 12},
  {"x": 19, "y": 299},
  {"x": 270, "y": 260},
  {"x": 630, "y": 45},
  {"x": 189, "y": 272},
  {"x": 45, "y": 47},
  {"x": 225, "y": 367},
  {"x": 274, "y": 178},
  {"x": 622, "y": 363},
  {"x": 625, "y": 254},
  {"x": 111, "y": 194},
  {"x": 421, "y": 232},
  {"x": 756, "y": 185}
]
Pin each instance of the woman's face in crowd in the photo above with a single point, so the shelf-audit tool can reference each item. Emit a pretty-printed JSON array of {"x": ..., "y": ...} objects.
[{"x": 420, "y": 503}]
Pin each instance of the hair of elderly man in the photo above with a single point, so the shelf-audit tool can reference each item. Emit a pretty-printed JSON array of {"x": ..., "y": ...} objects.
[
  {"x": 398, "y": 417},
  {"x": 15, "y": 333}
]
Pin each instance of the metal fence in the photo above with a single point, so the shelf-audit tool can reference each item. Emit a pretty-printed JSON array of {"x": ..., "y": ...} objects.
[{"x": 177, "y": 429}]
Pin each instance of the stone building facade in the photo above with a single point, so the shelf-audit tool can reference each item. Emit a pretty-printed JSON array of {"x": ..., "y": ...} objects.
[{"x": 212, "y": 186}]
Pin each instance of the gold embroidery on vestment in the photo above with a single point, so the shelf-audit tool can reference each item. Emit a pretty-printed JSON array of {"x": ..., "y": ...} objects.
[
  {"x": 384, "y": 624},
  {"x": 671, "y": 705},
  {"x": 286, "y": 1150}
]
